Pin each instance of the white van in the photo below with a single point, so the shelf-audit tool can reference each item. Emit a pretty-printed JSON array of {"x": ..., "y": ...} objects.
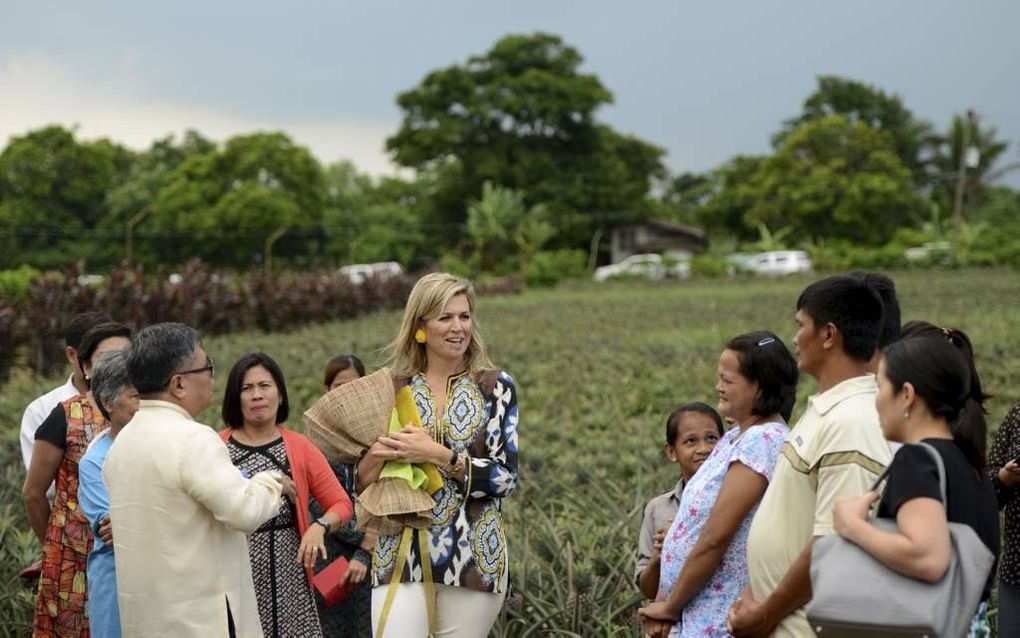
[
  {"x": 780, "y": 262},
  {"x": 358, "y": 273}
]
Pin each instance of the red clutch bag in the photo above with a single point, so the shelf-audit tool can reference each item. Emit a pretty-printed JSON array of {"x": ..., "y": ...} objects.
[
  {"x": 30, "y": 575},
  {"x": 327, "y": 582}
]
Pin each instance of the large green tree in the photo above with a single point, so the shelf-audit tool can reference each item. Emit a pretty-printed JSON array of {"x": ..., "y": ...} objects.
[
  {"x": 833, "y": 178},
  {"x": 911, "y": 138},
  {"x": 224, "y": 204},
  {"x": 52, "y": 195},
  {"x": 523, "y": 116},
  {"x": 133, "y": 199}
]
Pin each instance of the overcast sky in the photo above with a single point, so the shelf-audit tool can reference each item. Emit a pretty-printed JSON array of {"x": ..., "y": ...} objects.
[{"x": 704, "y": 80}]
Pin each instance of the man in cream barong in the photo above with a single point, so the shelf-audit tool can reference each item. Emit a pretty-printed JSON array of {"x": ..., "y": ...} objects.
[{"x": 179, "y": 508}]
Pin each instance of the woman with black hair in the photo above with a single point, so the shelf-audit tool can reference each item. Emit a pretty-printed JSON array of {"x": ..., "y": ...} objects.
[
  {"x": 284, "y": 548},
  {"x": 926, "y": 395},
  {"x": 351, "y": 616},
  {"x": 63, "y": 532},
  {"x": 704, "y": 553}
]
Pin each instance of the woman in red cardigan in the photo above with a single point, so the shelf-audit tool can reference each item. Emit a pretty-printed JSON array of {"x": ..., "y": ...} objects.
[{"x": 284, "y": 549}]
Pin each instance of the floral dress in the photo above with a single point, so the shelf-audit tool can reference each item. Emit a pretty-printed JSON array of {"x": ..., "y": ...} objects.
[
  {"x": 758, "y": 448},
  {"x": 466, "y": 540}
]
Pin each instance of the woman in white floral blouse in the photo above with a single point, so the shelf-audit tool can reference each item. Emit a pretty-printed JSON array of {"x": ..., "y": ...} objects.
[{"x": 469, "y": 413}]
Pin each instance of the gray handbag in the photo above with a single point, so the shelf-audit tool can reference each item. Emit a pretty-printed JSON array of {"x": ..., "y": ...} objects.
[{"x": 855, "y": 595}]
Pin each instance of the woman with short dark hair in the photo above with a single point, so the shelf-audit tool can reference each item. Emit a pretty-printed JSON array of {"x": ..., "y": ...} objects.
[
  {"x": 704, "y": 564},
  {"x": 63, "y": 532},
  {"x": 283, "y": 550}
]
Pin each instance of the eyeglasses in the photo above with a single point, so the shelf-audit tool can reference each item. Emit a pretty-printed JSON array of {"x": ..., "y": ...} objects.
[{"x": 208, "y": 367}]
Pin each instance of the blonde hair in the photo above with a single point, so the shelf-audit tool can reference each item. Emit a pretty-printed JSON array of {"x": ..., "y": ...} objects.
[{"x": 428, "y": 298}]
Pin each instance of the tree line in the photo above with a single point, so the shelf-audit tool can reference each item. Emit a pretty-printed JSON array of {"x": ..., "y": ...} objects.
[{"x": 509, "y": 162}]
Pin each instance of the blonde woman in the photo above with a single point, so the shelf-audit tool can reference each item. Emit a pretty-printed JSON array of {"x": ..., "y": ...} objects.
[{"x": 469, "y": 413}]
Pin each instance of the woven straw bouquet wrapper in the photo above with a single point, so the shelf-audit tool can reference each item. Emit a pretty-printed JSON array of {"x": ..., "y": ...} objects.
[{"x": 346, "y": 422}]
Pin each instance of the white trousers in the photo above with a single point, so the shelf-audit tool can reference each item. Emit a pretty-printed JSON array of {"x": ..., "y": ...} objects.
[{"x": 460, "y": 612}]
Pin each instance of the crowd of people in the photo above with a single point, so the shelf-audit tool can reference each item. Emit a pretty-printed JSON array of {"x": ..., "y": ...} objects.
[
  {"x": 727, "y": 551},
  {"x": 152, "y": 523}
]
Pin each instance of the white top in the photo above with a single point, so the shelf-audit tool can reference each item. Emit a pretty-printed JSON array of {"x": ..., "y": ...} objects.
[
  {"x": 36, "y": 413},
  {"x": 180, "y": 511}
]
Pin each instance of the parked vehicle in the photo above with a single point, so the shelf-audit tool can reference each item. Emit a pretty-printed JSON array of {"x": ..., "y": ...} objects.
[
  {"x": 648, "y": 265},
  {"x": 358, "y": 273},
  {"x": 933, "y": 252},
  {"x": 780, "y": 262}
]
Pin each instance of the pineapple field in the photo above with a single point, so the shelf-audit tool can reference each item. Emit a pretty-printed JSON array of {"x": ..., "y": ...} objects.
[{"x": 598, "y": 367}]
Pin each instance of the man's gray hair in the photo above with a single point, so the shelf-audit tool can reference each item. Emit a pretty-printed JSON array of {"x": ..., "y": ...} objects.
[
  {"x": 109, "y": 377},
  {"x": 157, "y": 352}
]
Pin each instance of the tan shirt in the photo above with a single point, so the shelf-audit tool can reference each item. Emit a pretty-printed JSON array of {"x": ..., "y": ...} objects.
[
  {"x": 180, "y": 511},
  {"x": 659, "y": 513},
  {"x": 836, "y": 450}
]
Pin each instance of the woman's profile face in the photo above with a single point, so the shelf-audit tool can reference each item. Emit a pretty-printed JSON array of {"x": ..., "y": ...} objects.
[
  {"x": 890, "y": 412},
  {"x": 448, "y": 333},
  {"x": 260, "y": 397},
  {"x": 344, "y": 376},
  {"x": 736, "y": 394},
  {"x": 110, "y": 344},
  {"x": 123, "y": 410}
]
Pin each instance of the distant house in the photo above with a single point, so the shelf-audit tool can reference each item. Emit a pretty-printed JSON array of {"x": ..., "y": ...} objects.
[{"x": 654, "y": 236}]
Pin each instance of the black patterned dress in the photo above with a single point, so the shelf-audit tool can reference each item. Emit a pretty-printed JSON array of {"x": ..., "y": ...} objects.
[
  {"x": 286, "y": 605},
  {"x": 352, "y": 616}
]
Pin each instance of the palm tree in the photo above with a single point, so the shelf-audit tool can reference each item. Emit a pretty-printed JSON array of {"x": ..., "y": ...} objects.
[{"x": 966, "y": 144}]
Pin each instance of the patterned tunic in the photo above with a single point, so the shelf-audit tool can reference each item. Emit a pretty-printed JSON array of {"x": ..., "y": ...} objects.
[
  {"x": 286, "y": 605},
  {"x": 466, "y": 541},
  {"x": 60, "y": 604},
  {"x": 758, "y": 449}
]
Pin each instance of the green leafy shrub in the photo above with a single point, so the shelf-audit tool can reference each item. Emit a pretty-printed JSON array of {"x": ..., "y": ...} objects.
[
  {"x": 707, "y": 265},
  {"x": 547, "y": 268},
  {"x": 839, "y": 256},
  {"x": 14, "y": 283}
]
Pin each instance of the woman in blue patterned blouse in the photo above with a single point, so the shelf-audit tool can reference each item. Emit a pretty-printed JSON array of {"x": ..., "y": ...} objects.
[{"x": 469, "y": 413}]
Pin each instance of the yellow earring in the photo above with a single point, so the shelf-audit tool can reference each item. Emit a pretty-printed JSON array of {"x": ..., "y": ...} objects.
[{"x": 419, "y": 336}]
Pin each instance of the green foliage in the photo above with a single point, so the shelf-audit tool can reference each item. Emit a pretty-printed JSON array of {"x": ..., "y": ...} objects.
[
  {"x": 834, "y": 178},
  {"x": 949, "y": 150},
  {"x": 840, "y": 255},
  {"x": 14, "y": 283},
  {"x": 523, "y": 116},
  {"x": 500, "y": 225},
  {"x": 710, "y": 266},
  {"x": 229, "y": 201},
  {"x": 52, "y": 187},
  {"x": 369, "y": 221},
  {"x": 909, "y": 137},
  {"x": 548, "y": 268}
]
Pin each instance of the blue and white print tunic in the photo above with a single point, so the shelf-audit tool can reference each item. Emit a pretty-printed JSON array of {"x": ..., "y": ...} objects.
[{"x": 467, "y": 538}]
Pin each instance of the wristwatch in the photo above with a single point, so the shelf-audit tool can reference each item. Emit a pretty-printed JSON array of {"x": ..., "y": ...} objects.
[
  {"x": 322, "y": 521},
  {"x": 457, "y": 462}
]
